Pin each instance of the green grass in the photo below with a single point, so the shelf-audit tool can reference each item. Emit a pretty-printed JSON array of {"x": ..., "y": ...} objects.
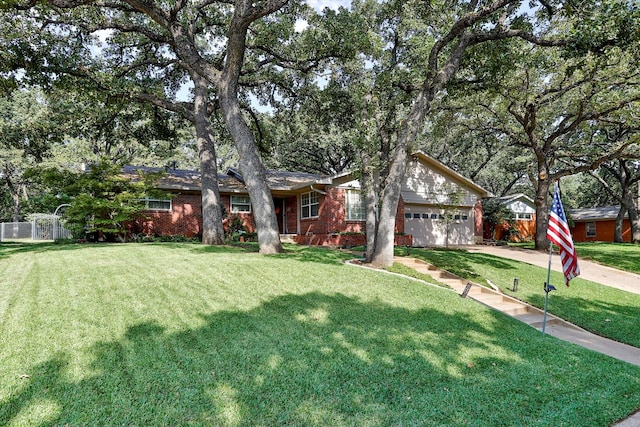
[
  {"x": 183, "y": 334},
  {"x": 606, "y": 311},
  {"x": 411, "y": 272},
  {"x": 624, "y": 256}
]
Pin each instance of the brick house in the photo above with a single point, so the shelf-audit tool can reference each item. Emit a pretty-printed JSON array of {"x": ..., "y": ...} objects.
[
  {"x": 328, "y": 210},
  {"x": 597, "y": 224}
]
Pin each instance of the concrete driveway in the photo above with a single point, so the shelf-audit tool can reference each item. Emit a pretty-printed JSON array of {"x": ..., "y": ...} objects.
[{"x": 588, "y": 270}]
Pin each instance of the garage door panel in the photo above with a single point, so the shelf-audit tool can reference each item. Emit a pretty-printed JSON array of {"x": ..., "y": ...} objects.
[{"x": 429, "y": 228}]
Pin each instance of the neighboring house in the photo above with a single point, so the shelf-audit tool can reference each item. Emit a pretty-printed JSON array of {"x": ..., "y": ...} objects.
[
  {"x": 597, "y": 224},
  {"x": 524, "y": 213},
  {"x": 437, "y": 204}
]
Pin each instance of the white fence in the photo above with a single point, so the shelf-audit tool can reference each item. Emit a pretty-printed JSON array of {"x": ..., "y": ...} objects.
[{"x": 42, "y": 227}]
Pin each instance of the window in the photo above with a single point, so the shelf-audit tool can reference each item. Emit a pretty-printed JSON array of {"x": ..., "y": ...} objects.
[
  {"x": 157, "y": 204},
  {"x": 309, "y": 205},
  {"x": 240, "y": 204},
  {"x": 354, "y": 206},
  {"x": 434, "y": 216},
  {"x": 591, "y": 229},
  {"x": 407, "y": 215},
  {"x": 524, "y": 216},
  {"x": 425, "y": 216},
  {"x": 465, "y": 217}
]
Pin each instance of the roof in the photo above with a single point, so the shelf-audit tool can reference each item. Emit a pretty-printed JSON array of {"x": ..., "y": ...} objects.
[
  {"x": 232, "y": 182},
  {"x": 594, "y": 214},
  {"x": 513, "y": 197},
  {"x": 519, "y": 197}
]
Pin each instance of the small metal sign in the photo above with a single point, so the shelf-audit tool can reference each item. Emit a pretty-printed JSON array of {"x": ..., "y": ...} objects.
[{"x": 466, "y": 290}]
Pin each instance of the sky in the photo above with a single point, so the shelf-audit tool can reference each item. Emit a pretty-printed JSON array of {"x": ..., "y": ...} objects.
[{"x": 331, "y": 4}]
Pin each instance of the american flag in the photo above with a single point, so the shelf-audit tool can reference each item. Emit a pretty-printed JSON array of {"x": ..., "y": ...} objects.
[{"x": 558, "y": 233}]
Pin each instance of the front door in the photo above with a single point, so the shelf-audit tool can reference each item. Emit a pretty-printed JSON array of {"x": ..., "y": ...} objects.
[{"x": 280, "y": 214}]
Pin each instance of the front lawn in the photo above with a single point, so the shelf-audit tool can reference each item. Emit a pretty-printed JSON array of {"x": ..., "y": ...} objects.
[
  {"x": 183, "y": 334},
  {"x": 606, "y": 311},
  {"x": 623, "y": 256}
]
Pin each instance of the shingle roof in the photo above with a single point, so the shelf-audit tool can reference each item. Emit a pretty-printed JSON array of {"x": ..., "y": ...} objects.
[
  {"x": 188, "y": 180},
  {"x": 600, "y": 213}
]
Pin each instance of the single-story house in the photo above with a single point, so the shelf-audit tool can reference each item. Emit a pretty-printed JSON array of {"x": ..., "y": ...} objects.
[
  {"x": 597, "y": 224},
  {"x": 437, "y": 205},
  {"x": 524, "y": 212}
]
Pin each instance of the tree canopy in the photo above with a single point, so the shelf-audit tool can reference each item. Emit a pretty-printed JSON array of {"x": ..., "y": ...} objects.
[{"x": 514, "y": 94}]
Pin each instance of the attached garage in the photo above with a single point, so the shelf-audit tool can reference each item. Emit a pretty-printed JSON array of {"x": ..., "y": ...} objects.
[
  {"x": 441, "y": 207},
  {"x": 432, "y": 226}
]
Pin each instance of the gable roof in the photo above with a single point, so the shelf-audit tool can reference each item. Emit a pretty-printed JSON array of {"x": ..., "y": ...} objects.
[
  {"x": 232, "y": 181},
  {"x": 446, "y": 170},
  {"x": 519, "y": 197},
  {"x": 594, "y": 214}
]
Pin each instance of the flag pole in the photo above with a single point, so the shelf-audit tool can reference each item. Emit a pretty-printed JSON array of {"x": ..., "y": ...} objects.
[{"x": 546, "y": 290}]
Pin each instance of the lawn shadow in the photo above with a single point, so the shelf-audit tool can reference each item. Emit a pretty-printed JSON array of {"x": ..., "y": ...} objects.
[
  {"x": 314, "y": 254},
  {"x": 317, "y": 359},
  {"x": 460, "y": 262},
  {"x": 7, "y": 249}
]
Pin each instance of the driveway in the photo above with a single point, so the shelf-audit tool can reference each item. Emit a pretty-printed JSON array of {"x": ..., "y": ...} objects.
[{"x": 588, "y": 270}]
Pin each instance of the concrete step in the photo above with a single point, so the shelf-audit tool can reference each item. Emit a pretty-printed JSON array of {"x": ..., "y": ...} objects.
[
  {"x": 489, "y": 298},
  {"x": 458, "y": 285},
  {"x": 287, "y": 238},
  {"x": 438, "y": 274},
  {"x": 512, "y": 308}
]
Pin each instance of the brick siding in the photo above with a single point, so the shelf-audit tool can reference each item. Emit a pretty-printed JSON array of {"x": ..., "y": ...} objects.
[
  {"x": 605, "y": 231},
  {"x": 184, "y": 219}
]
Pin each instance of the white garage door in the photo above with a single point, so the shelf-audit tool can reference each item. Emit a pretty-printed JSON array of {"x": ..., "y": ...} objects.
[{"x": 434, "y": 227}]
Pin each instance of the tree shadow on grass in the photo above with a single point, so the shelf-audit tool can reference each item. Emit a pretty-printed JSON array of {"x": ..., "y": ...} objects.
[
  {"x": 460, "y": 262},
  {"x": 8, "y": 249},
  {"x": 316, "y": 360},
  {"x": 299, "y": 253}
]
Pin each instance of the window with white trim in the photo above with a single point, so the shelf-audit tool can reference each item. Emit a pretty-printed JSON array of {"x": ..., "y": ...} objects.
[
  {"x": 524, "y": 216},
  {"x": 309, "y": 205},
  {"x": 591, "y": 229},
  {"x": 240, "y": 204},
  {"x": 354, "y": 205},
  {"x": 157, "y": 204}
]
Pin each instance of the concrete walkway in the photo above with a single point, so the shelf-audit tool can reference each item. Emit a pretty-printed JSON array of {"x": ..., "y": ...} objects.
[{"x": 533, "y": 316}]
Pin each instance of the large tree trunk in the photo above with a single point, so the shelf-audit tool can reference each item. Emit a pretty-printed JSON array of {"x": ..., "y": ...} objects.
[
  {"x": 634, "y": 221},
  {"x": 254, "y": 176},
  {"x": 370, "y": 191},
  {"x": 14, "y": 190},
  {"x": 542, "y": 212},
  {"x": 385, "y": 234},
  {"x": 251, "y": 165},
  {"x": 617, "y": 234},
  {"x": 212, "y": 229}
]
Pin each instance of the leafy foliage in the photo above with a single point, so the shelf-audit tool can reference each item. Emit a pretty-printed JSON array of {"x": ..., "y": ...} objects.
[
  {"x": 496, "y": 214},
  {"x": 102, "y": 199}
]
